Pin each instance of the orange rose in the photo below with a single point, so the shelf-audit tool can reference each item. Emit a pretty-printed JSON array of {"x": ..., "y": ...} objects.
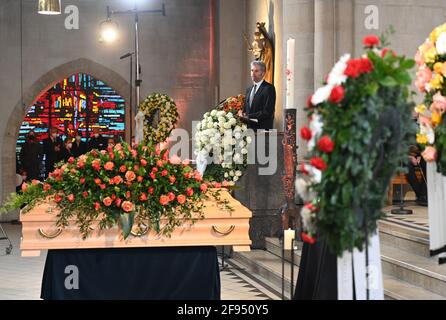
[
  {"x": 123, "y": 168},
  {"x": 71, "y": 198},
  {"x": 109, "y": 166},
  {"x": 143, "y": 197},
  {"x": 429, "y": 154},
  {"x": 172, "y": 179},
  {"x": 46, "y": 187},
  {"x": 117, "y": 180},
  {"x": 143, "y": 162},
  {"x": 107, "y": 201},
  {"x": 127, "y": 206},
  {"x": 164, "y": 200},
  {"x": 130, "y": 175},
  {"x": 159, "y": 163},
  {"x": 204, "y": 187},
  {"x": 181, "y": 199},
  {"x": 139, "y": 179}
]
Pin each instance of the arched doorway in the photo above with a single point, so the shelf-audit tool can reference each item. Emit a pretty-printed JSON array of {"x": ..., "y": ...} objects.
[
  {"x": 76, "y": 104},
  {"x": 41, "y": 85}
]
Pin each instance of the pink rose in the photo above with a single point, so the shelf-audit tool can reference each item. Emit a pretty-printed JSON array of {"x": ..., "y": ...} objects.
[
  {"x": 424, "y": 75},
  {"x": 127, "y": 206},
  {"x": 175, "y": 159},
  {"x": 109, "y": 166},
  {"x": 429, "y": 154},
  {"x": 439, "y": 103},
  {"x": 419, "y": 58}
]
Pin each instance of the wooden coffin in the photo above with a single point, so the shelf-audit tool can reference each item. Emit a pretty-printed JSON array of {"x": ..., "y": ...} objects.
[{"x": 219, "y": 228}]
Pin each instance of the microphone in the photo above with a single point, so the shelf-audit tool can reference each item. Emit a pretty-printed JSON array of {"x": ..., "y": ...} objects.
[{"x": 126, "y": 55}]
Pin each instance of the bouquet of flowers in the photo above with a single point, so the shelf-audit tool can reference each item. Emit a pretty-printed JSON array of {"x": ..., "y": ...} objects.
[
  {"x": 431, "y": 61},
  {"x": 121, "y": 185},
  {"x": 222, "y": 137},
  {"x": 358, "y": 133}
]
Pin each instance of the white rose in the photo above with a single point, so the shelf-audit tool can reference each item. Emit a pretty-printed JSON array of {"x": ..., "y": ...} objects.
[
  {"x": 206, "y": 115},
  {"x": 232, "y": 121},
  {"x": 233, "y": 141},
  {"x": 441, "y": 43},
  {"x": 231, "y": 173},
  {"x": 221, "y": 114},
  {"x": 215, "y": 125},
  {"x": 321, "y": 94},
  {"x": 244, "y": 127},
  {"x": 210, "y": 125},
  {"x": 235, "y": 178},
  {"x": 231, "y": 183},
  {"x": 248, "y": 140},
  {"x": 213, "y": 112},
  {"x": 237, "y": 157},
  {"x": 244, "y": 151},
  {"x": 227, "y": 125},
  {"x": 221, "y": 119},
  {"x": 337, "y": 76},
  {"x": 222, "y": 129},
  {"x": 229, "y": 115},
  {"x": 198, "y": 126},
  {"x": 226, "y": 175},
  {"x": 238, "y": 173},
  {"x": 237, "y": 135}
]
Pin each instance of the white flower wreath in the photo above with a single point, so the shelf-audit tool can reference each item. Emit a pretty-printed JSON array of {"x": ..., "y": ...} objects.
[{"x": 162, "y": 108}]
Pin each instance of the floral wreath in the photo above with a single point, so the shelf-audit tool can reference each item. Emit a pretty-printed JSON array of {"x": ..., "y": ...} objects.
[
  {"x": 358, "y": 132},
  {"x": 168, "y": 117},
  {"x": 219, "y": 129},
  {"x": 431, "y": 61}
]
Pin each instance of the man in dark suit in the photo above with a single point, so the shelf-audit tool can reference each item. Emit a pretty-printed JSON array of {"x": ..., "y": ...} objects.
[
  {"x": 260, "y": 101},
  {"x": 97, "y": 141},
  {"x": 52, "y": 147}
]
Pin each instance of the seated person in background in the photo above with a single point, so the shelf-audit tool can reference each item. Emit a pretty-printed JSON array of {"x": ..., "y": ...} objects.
[
  {"x": 79, "y": 146},
  {"x": 111, "y": 142},
  {"x": 416, "y": 161},
  {"x": 97, "y": 141},
  {"x": 66, "y": 149}
]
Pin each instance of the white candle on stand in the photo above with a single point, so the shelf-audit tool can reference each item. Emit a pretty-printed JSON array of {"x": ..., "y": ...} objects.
[
  {"x": 289, "y": 72},
  {"x": 287, "y": 238}
]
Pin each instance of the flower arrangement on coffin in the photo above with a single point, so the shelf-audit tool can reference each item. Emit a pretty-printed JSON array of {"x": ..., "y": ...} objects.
[
  {"x": 223, "y": 137},
  {"x": 162, "y": 107},
  {"x": 121, "y": 185},
  {"x": 431, "y": 75},
  {"x": 358, "y": 133}
]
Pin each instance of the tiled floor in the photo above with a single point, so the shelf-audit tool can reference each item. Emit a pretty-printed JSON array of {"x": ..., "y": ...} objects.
[{"x": 20, "y": 278}]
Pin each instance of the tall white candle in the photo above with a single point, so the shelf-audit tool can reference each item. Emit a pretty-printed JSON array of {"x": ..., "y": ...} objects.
[
  {"x": 289, "y": 235},
  {"x": 291, "y": 43}
]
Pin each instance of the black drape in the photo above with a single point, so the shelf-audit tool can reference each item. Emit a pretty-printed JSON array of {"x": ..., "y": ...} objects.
[
  {"x": 317, "y": 279},
  {"x": 177, "y": 273}
]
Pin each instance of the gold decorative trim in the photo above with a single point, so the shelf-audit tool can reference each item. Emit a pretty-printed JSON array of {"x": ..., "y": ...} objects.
[
  {"x": 140, "y": 233},
  {"x": 53, "y": 235},
  {"x": 225, "y": 233}
]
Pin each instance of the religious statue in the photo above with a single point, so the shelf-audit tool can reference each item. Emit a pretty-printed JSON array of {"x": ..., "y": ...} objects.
[{"x": 263, "y": 49}]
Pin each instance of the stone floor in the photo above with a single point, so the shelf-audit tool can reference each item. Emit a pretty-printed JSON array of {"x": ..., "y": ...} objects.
[
  {"x": 20, "y": 278},
  {"x": 419, "y": 218}
]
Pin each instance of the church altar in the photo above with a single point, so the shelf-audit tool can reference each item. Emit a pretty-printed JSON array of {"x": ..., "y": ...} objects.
[{"x": 219, "y": 227}]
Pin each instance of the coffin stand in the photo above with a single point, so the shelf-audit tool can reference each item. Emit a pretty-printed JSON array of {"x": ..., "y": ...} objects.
[{"x": 219, "y": 227}]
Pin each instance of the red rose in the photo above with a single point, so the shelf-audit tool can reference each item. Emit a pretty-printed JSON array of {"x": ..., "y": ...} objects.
[
  {"x": 172, "y": 179},
  {"x": 134, "y": 153},
  {"x": 118, "y": 202},
  {"x": 187, "y": 175},
  {"x": 96, "y": 164},
  {"x": 80, "y": 164},
  {"x": 117, "y": 180},
  {"x": 102, "y": 186},
  {"x": 139, "y": 179},
  {"x": 197, "y": 176},
  {"x": 85, "y": 194},
  {"x": 97, "y": 206},
  {"x": 164, "y": 200},
  {"x": 97, "y": 181},
  {"x": 310, "y": 206},
  {"x": 366, "y": 65},
  {"x": 122, "y": 168},
  {"x": 151, "y": 190},
  {"x": 353, "y": 68},
  {"x": 127, "y": 206},
  {"x": 110, "y": 149},
  {"x": 135, "y": 167},
  {"x": 109, "y": 166},
  {"x": 385, "y": 50},
  {"x": 204, "y": 187},
  {"x": 143, "y": 197},
  {"x": 164, "y": 173},
  {"x": 111, "y": 155},
  {"x": 58, "y": 198},
  {"x": 325, "y": 144},
  {"x": 337, "y": 94},
  {"x": 107, "y": 201},
  {"x": 154, "y": 169},
  {"x": 143, "y": 162},
  {"x": 71, "y": 197},
  {"x": 128, "y": 195},
  {"x": 370, "y": 41},
  {"x": 181, "y": 199},
  {"x": 152, "y": 175},
  {"x": 189, "y": 192},
  {"x": 171, "y": 196},
  {"x": 71, "y": 160},
  {"x": 306, "y": 133},
  {"x": 306, "y": 238},
  {"x": 46, "y": 187},
  {"x": 217, "y": 185},
  {"x": 318, "y": 163},
  {"x": 166, "y": 155},
  {"x": 113, "y": 197}
]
